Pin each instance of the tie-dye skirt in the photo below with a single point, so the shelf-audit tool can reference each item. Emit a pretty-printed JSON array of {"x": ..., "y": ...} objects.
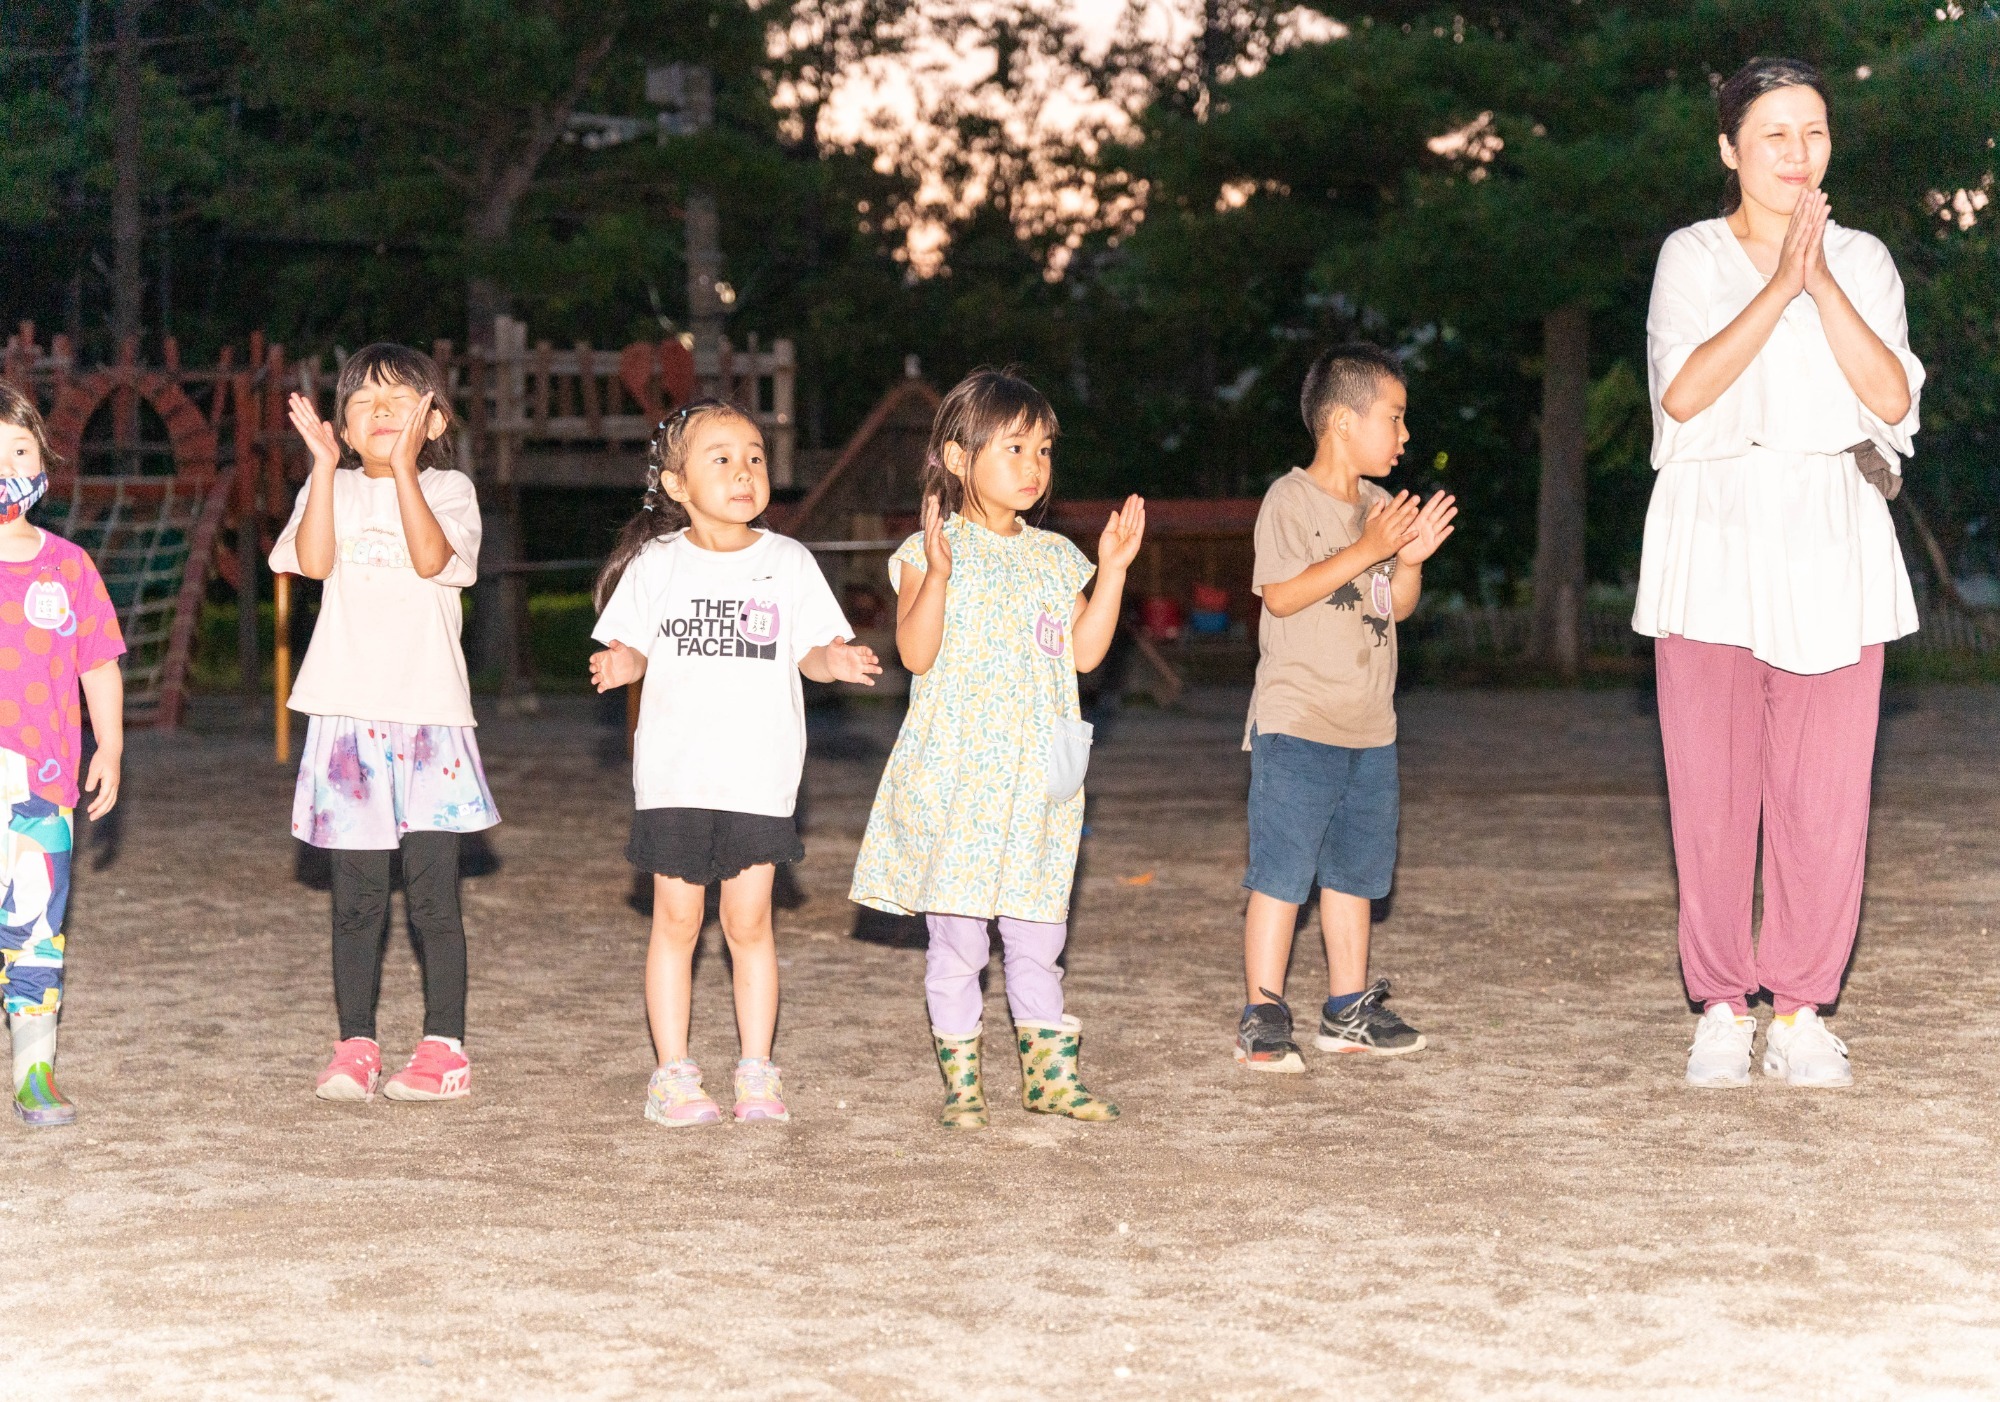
[{"x": 363, "y": 784}]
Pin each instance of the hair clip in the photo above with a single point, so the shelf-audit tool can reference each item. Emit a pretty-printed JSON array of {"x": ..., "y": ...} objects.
[{"x": 675, "y": 417}]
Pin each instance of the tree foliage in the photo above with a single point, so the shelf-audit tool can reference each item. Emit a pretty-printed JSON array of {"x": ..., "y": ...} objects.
[{"x": 1439, "y": 179}]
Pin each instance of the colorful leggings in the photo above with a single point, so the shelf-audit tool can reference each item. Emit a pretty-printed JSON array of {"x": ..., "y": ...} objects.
[{"x": 35, "y": 853}]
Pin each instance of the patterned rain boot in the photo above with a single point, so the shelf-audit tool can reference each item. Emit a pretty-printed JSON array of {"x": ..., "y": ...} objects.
[
  {"x": 964, "y": 1098},
  {"x": 1049, "y": 1082},
  {"x": 37, "y": 1102}
]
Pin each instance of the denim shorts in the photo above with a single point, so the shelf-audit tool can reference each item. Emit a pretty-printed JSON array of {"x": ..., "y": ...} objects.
[{"x": 1321, "y": 815}]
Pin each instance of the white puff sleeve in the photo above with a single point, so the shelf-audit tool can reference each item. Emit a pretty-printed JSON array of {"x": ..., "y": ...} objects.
[
  {"x": 1877, "y": 293},
  {"x": 1688, "y": 294}
]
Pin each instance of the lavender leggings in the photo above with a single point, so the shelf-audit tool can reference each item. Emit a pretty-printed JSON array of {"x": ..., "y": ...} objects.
[{"x": 959, "y": 949}]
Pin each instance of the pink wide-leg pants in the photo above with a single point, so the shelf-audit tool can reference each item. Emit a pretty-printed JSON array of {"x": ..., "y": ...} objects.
[{"x": 1750, "y": 745}]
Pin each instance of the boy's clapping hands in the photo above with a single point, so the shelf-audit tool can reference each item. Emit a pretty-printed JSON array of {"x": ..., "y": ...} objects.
[
  {"x": 1431, "y": 528},
  {"x": 1390, "y": 526}
]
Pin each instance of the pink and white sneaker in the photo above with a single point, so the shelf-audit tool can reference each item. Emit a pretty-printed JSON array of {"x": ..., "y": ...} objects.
[
  {"x": 674, "y": 1097},
  {"x": 353, "y": 1073},
  {"x": 438, "y": 1070},
  {"x": 760, "y": 1092}
]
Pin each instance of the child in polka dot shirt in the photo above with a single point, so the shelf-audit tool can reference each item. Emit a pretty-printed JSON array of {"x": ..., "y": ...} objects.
[{"x": 58, "y": 635}]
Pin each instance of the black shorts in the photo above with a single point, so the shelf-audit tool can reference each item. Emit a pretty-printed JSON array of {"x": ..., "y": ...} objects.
[{"x": 704, "y": 845}]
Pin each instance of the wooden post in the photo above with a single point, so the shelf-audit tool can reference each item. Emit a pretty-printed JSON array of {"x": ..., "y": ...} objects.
[
  {"x": 784, "y": 404},
  {"x": 248, "y": 538},
  {"x": 282, "y": 667}
]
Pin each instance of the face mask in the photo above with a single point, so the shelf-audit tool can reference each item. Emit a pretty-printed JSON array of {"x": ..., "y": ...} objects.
[{"x": 17, "y": 494}]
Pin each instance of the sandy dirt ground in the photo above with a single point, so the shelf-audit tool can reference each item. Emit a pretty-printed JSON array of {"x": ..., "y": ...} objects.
[{"x": 1536, "y": 1206}]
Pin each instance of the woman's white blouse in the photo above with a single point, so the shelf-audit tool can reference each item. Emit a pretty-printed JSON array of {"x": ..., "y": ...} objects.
[{"x": 1762, "y": 533}]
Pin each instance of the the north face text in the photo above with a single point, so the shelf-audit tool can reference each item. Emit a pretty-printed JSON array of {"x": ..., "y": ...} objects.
[{"x": 725, "y": 628}]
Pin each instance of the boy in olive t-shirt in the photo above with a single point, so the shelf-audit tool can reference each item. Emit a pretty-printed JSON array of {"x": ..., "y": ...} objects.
[{"x": 1339, "y": 562}]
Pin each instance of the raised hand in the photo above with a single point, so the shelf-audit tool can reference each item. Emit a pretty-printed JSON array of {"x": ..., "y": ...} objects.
[
  {"x": 1389, "y": 528},
  {"x": 852, "y": 662},
  {"x": 1124, "y": 530},
  {"x": 1431, "y": 528},
  {"x": 937, "y": 549},
  {"x": 1819, "y": 277},
  {"x": 1802, "y": 238},
  {"x": 616, "y": 666},
  {"x": 317, "y": 432},
  {"x": 414, "y": 434}
]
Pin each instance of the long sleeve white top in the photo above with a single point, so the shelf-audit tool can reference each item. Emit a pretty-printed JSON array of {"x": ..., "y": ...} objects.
[{"x": 1762, "y": 532}]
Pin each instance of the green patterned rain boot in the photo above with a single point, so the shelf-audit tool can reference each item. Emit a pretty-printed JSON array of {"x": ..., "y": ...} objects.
[
  {"x": 1049, "y": 1082},
  {"x": 37, "y": 1102},
  {"x": 964, "y": 1098}
]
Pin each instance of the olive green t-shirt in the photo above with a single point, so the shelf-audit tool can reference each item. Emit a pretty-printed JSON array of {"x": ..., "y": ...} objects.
[{"x": 1328, "y": 672}]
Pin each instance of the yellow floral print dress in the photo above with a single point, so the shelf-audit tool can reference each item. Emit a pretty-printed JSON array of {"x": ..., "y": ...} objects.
[{"x": 962, "y": 822}]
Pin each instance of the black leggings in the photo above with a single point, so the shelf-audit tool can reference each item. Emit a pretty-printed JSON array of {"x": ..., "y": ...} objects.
[{"x": 361, "y": 929}]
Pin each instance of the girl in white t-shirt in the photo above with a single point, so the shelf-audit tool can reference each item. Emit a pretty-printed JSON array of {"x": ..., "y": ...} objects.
[
  {"x": 390, "y": 763},
  {"x": 721, "y": 617}
]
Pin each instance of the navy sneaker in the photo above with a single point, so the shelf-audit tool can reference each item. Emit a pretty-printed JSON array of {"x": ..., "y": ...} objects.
[
  {"x": 1264, "y": 1037},
  {"x": 1365, "y": 1026}
]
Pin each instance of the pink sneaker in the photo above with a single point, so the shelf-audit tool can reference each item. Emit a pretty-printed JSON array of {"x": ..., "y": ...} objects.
[
  {"x": 438, "y": 1070},
  {"x": 674, "y": 1097},
  {"x": 353, "y": 1072},
  {"x": 760, "y": 1092}
]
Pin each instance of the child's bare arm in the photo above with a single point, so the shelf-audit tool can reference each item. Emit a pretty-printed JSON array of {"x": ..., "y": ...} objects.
[
  {"x": 1389, "y": 528},
  {"x": 920, "y": 598},
  {"x": 1095, "y": 621},
  {"x": 429, "y": 551},
  {"x": 104, "y": 695},
  {"x": 1406, "y": 586},
  {"x": 314, "y": 541}
]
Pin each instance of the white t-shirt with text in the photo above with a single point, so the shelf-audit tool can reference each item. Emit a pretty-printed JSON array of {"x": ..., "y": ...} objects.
[{"x": 722, "y": 723}]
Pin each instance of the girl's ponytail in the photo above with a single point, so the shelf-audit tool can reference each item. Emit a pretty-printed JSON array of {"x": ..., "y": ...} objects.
[{"x": 659, "y": 515}]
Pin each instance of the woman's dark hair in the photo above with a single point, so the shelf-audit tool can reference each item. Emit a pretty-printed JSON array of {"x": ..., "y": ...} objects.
[
  {"x": 1734, "y": 98},
  {"x": 19, "y": 410},
  {"x": 386, "y": 363},
  {"x": 985, "y": 405},
  {"x": 659, "y": 514}
]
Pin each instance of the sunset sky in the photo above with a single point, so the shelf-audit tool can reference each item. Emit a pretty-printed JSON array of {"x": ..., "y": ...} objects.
[{"x": 884, "y": 105}]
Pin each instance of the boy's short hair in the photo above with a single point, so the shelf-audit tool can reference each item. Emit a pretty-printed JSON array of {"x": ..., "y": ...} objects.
[{"x": 1350, "y": 375}]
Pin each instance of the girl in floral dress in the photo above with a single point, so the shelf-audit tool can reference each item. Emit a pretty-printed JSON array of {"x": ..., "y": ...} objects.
[{"x": 981, "y": 805}]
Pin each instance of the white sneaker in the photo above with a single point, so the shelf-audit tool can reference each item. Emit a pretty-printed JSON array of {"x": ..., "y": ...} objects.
[
  {"x": 1720, "y": 1056},
  {"x": 1805, "y": 1053}
]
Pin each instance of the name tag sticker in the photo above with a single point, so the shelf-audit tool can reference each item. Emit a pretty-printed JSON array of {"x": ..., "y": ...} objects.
[
  {"x": 757, "y": 622},
  {"x": 1049, "y": 634},
  {"x": 46, "y": 604}
]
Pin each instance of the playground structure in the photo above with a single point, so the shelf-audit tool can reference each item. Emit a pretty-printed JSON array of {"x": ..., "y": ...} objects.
[{"x": 173, "y": 475}]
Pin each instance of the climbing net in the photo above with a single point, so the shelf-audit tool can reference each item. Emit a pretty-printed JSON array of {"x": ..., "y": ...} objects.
[{"x": 140, "y": 533}]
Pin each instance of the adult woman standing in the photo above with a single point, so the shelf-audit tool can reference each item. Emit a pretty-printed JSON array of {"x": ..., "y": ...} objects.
[{"x": 1784, "y": 397}]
